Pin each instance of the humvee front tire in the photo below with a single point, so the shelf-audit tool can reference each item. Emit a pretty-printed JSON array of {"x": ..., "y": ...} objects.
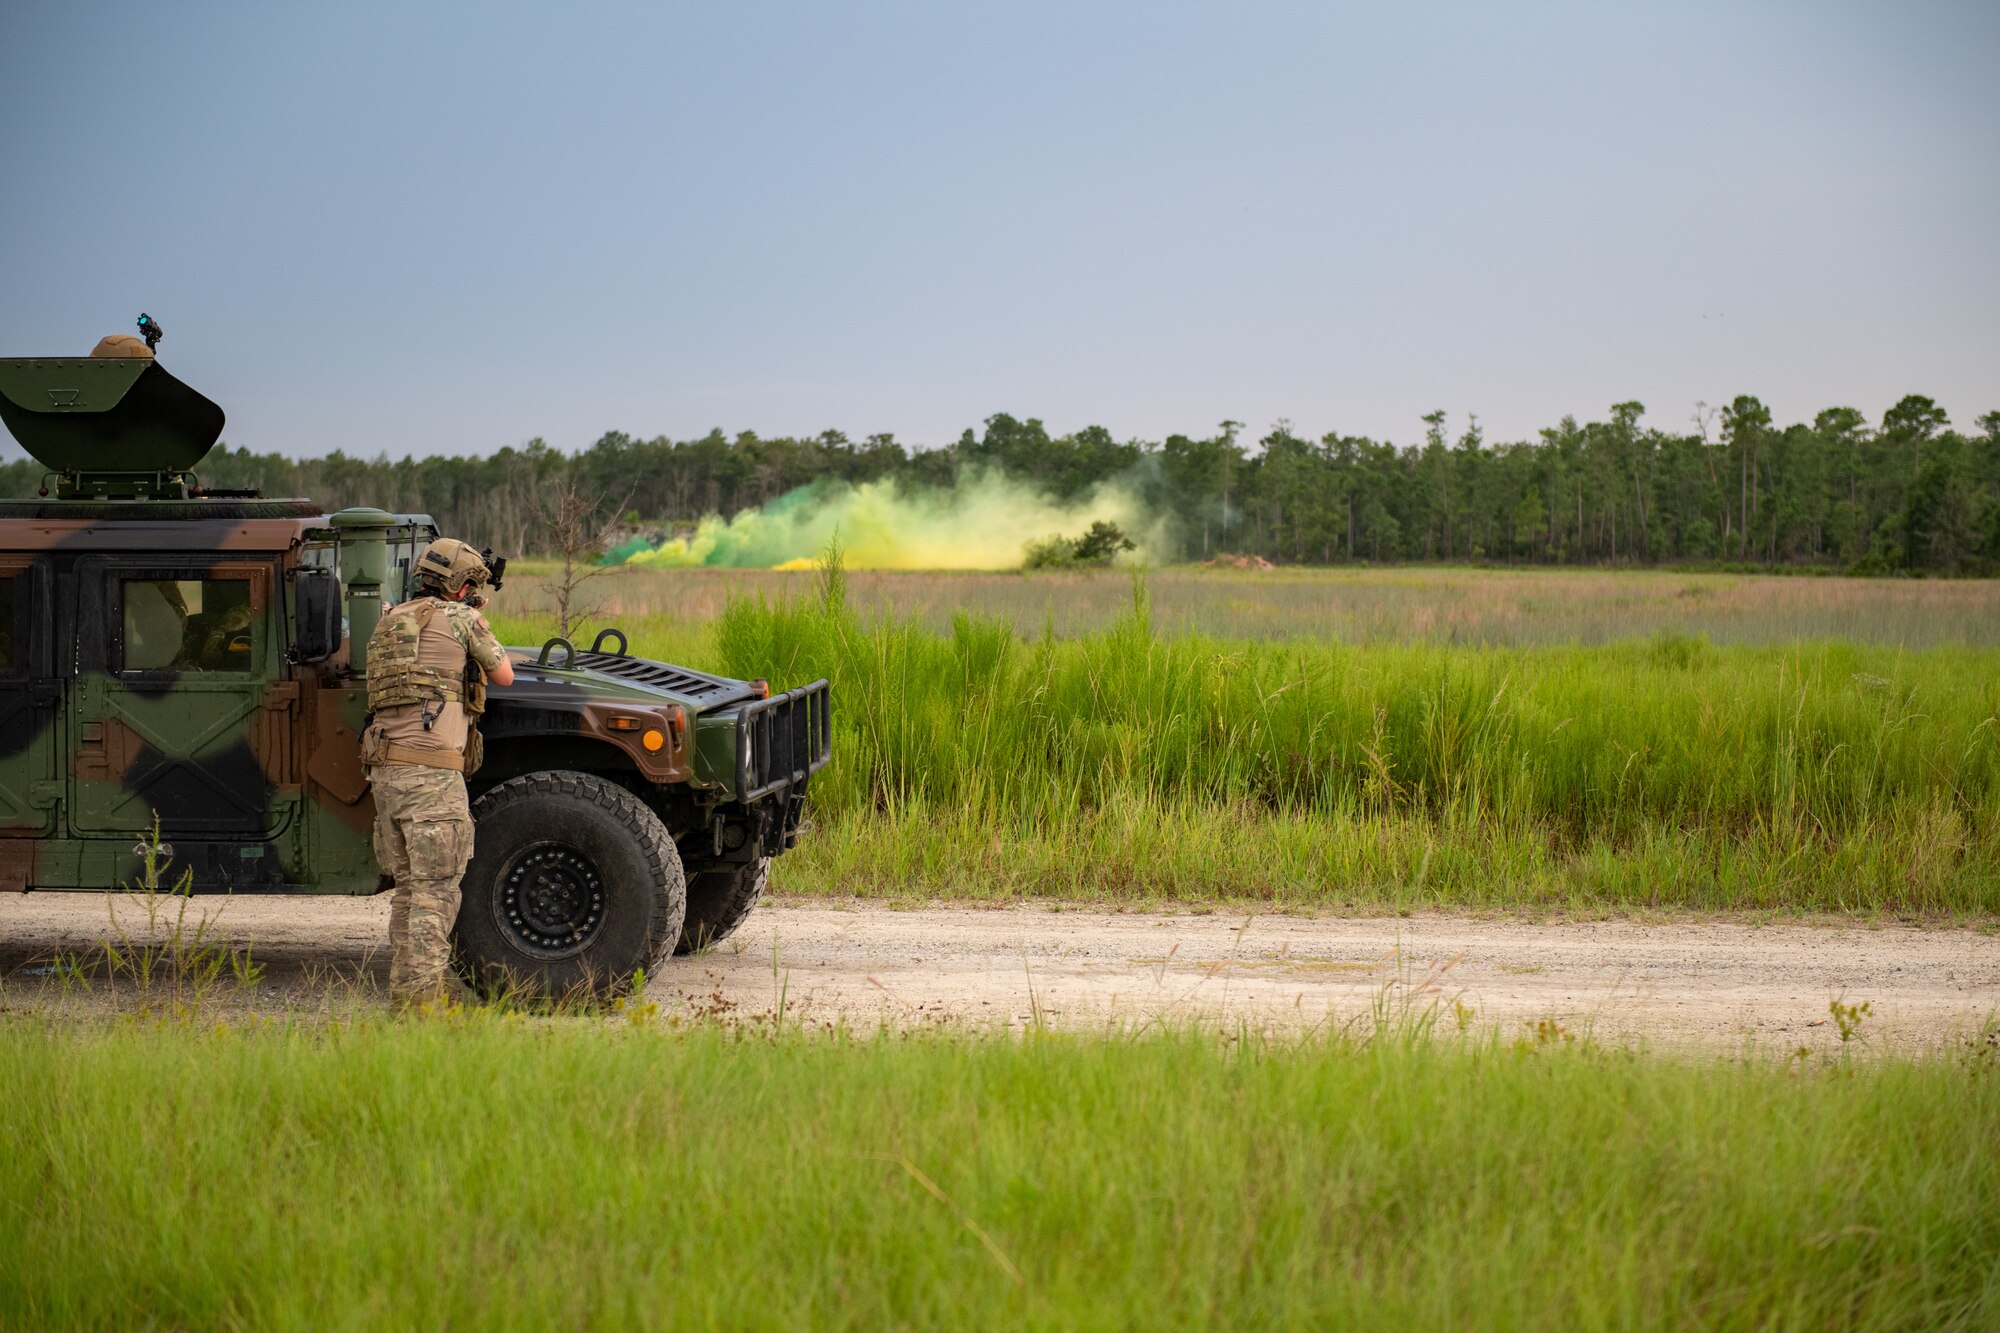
[
  {"x": 718, "y": 898},
  {"x": 574, "y": 886}
]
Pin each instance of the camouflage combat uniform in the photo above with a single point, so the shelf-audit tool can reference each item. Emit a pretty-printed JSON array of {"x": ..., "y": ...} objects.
[{"x": 418, "y": 748}]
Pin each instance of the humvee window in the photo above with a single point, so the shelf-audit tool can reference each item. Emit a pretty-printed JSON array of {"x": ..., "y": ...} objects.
[{"x": 187, "y": 625}]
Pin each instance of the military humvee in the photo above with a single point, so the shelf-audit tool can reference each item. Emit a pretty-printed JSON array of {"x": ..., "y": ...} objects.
[{"x": 200, "y": 656}]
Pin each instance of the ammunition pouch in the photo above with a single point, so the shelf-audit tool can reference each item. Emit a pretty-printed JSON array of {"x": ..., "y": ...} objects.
[
  {"x": 394, "y": 686},
  {"x": 474, "y": 701}
]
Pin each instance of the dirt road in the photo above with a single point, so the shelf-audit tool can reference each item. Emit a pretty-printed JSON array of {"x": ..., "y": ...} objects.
[{"x": 1669, "y": 984}]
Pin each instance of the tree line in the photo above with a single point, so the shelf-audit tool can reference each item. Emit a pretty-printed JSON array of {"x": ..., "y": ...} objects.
[{"x": 1907, "y": 494}]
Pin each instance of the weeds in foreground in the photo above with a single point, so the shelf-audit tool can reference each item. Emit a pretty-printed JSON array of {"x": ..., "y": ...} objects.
[
  {"x": 1848, "y": 1017},
  {"x": 1546, "y": 1031},
  {"x": 162, "y": 957}
]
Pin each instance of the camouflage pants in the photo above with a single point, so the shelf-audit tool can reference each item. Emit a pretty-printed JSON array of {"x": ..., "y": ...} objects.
[{"x": 423, "y": 838}]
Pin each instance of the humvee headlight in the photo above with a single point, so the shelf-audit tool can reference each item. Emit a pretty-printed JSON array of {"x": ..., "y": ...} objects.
[{"x": 653, "y": 739}]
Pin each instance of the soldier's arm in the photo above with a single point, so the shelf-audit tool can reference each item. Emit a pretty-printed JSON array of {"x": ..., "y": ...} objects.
[{"x": 483, "y": 648}]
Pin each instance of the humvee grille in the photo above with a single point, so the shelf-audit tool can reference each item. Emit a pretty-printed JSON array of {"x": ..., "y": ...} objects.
[
  {"x": 785, "y": 739},
  {"x": 708, "y": 689}
]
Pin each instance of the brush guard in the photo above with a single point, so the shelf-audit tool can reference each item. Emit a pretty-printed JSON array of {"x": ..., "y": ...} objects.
[{"x": 783, "y": 740}]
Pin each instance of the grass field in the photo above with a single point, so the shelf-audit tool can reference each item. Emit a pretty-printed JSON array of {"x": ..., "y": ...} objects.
[
  {"x": 496, "y": 1172},
  {"x": 1142, "y": 762}
]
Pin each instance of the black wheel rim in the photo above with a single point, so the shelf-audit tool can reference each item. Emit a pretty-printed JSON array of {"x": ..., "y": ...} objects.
[{"x": 550, "y": 901}]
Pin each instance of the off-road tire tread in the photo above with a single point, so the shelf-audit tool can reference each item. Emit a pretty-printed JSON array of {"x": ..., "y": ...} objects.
[
  {"x": 719, "y": 898},
  {"x": 638, "y": 820}
]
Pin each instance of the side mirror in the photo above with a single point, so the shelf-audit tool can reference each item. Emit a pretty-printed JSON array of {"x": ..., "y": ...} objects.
[{"x": 316, "y": 596}]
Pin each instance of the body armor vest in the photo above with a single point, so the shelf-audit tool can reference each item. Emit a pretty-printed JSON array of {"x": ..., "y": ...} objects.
[
  {"x": 396, "y": 674},
  {"x": 398, "y": 678}
]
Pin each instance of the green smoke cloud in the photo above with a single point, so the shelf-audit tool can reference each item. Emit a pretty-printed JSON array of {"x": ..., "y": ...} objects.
[{"x": 983, "y": 522}]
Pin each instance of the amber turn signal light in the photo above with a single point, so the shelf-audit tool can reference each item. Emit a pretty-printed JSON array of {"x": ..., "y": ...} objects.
[
  {"x": 623, "y": 724},
  {"x": 653, "y": 739}
]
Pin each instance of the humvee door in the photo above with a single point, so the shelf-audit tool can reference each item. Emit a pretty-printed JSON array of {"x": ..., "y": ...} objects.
[
  {"x": 180, "y": 707},
  {"x": 28, "y": 694}
]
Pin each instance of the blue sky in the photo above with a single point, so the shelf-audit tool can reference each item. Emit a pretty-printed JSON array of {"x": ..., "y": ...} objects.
[{"x": 421, "y": 228}]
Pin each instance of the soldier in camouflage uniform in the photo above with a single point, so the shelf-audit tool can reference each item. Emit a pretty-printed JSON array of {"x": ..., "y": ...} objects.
[{"x": 428, "y": 663}]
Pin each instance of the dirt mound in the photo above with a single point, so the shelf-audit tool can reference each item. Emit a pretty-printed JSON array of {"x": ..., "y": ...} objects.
[{"x": 1238, "y": 562}]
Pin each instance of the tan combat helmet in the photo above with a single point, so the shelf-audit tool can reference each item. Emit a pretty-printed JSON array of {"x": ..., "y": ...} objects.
[{"x": 450, "y": 564}]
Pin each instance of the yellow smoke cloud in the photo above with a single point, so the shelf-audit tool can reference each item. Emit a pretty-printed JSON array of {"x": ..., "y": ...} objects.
[{"x": 984, "y": 522}]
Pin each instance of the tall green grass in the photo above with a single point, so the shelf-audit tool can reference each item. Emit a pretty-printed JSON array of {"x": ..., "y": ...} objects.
[
  {"x": 1135, "y": 763},
  {"x": 490, "y": 1174},
  {"x": 1666, "y": 771}
]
